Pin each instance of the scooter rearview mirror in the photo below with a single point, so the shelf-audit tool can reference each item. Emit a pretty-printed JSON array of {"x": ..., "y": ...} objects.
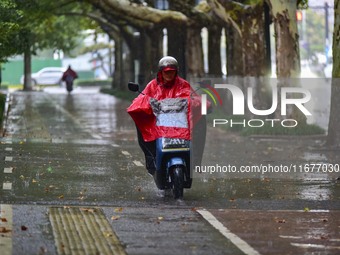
[{"x": 133, "y": 86}]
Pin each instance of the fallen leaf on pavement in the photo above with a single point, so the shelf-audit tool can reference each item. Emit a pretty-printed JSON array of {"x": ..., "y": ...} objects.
[
  {"x": 115, "y": 217},
  {"x": 120, "y": 209},
  {"x": 4, "y": 230},
  {"x": 107, "y": 234},
  {"x": 91, "y": 210},
  {"x": 280, "y": 220}
]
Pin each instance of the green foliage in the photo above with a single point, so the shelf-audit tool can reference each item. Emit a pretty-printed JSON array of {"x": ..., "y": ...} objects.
[
  {"x": 37, "y": 25},
  {"x": 9, "y": 27},
  {"x": 302, "y": 4}
]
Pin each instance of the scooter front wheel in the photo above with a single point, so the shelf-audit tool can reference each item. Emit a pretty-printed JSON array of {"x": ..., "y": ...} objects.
[{"x": 177, "y": 182}]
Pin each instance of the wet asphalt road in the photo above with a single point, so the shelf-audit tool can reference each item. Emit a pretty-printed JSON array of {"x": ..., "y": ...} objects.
[{"x": 81, "y": 150}]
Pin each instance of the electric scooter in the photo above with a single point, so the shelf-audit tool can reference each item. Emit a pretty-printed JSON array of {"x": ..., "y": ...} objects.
[
  {"x": 69, "y": 85},
  {"x": 172, "y": 154}
]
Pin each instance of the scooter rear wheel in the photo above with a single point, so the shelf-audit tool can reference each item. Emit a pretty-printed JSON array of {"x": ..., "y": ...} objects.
[
  {"x": 69, "y": 86},
  {"x": 177, "y": 182}
]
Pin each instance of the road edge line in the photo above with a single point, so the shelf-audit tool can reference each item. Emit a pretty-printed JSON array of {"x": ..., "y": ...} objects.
[{"x": 237, "y": 241}]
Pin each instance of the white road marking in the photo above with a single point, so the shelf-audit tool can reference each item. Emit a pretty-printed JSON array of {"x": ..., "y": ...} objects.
[
  {"x": 138, "y": 163},
  {"x": 290, "y": 237},
  {"x": 310, "y": 245},
  {"x": 8, "y": 170},
  {"x": 126, "y": 153},
  {"x": 238, "y": 242},
  {"x": 96, "y": 136},
  {"x": 7, "y": 186},
  {"x": 8, "y": 158},
  {"x": 6, "y": 242}
]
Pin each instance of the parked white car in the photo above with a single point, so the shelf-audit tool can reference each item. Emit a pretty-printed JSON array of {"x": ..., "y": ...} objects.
[{"x": 47, "y": 76}]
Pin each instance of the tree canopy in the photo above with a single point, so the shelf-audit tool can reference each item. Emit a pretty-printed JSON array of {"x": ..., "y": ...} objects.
[
  {"x": 29, "y": 26},
  {"x": 9, "y": 28}
]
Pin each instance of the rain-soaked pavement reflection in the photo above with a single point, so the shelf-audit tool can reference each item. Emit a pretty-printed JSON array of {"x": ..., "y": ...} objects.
[{"x": 64, "y": 152}]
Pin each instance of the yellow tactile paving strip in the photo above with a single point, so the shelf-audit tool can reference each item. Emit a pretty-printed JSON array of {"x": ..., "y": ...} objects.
[{"x": 83, "y": 231}]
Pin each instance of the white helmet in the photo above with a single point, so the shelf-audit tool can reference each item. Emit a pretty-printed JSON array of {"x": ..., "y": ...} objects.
[{"x": 168, "y": 63}]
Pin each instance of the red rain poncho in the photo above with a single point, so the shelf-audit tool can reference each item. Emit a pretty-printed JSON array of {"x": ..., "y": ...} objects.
[{"x": 141, "y": 112}]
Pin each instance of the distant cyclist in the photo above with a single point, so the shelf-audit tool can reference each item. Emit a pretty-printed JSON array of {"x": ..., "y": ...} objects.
[{"x": 69, "y": 76}]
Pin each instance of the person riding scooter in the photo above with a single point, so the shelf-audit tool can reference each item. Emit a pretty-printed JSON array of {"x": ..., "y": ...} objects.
[
  {"x": 167, "y": 84},
  {"x": 68, "y": 77}
]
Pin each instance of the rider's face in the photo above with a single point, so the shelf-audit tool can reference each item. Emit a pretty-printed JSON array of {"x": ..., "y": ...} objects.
[{"x": 168, "y": 75}]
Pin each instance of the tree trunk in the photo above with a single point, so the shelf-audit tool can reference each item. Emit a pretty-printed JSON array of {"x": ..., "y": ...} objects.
[
  {"x": 156, "y": 51},
  {"x": 214, "y": 51},
  {"x": 150, "y": 54},
  {"x": 245, "y": 32},
  {"x": 176, "y": 46},
  {"x": 143, "y": 57},
  {"x": 234, "y": 52},
  {"x": 255, "y": 56},
  {"x": 128, "y": 66},
  {"x": 287, "y": 39},
  {"x": 247, "y": 54},
  {"x": 287, "y": 52},
  {"x": 333, "y": 138},
  {"x": 267, "y": 35},
  {"x": 27, "y": 70},
  {"x": 194, "y": 53},
  {"x": 124, "y": 65},
  {"x": 253, "y": 41},
  {"x": 118, "y": 70}
]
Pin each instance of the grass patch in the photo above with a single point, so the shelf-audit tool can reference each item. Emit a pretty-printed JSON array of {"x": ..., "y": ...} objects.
[{"x": 13, "y": 86}]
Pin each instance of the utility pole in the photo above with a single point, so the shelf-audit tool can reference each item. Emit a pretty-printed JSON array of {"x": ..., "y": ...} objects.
[
  {"x": 326, "y": 21},
  {"x": 326, "y": 32}
]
